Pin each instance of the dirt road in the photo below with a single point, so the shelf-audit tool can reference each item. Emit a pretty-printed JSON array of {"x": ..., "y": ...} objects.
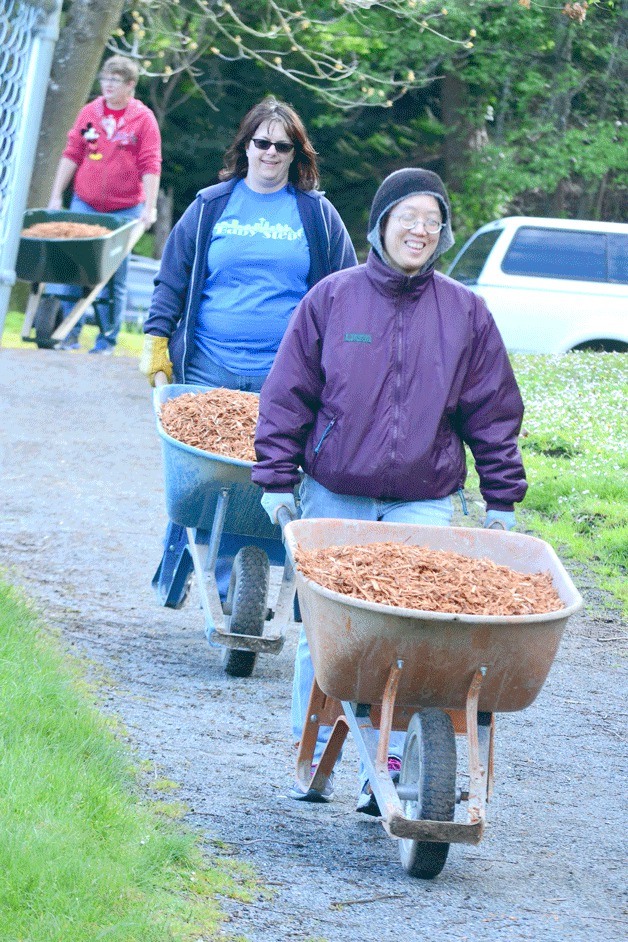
[{"x": 81, "y": 523}]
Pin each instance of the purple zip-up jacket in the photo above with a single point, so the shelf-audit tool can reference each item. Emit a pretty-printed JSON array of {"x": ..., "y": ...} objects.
[{"x": 378, "y": 382}]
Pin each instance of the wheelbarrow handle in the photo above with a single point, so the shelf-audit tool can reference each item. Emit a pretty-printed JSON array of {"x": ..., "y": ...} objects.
[
  {"x": 160, "y": 379},
  {"x": 284, "y": 517}
]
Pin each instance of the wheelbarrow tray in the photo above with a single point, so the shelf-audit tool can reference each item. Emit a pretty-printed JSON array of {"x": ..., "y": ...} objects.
[
  {"x": 354, "y": 643},
  {"x": 194, "y": 479},
  {"x": 214, "y": 498},
  {"x": 73, "y": 261}
]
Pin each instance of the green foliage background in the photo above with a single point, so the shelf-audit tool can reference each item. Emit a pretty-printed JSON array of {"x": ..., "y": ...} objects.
[{"x": 529, "y": 119}]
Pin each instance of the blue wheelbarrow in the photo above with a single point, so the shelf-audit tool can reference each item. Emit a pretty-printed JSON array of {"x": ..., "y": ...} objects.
[{"x": 213, "y": 504}]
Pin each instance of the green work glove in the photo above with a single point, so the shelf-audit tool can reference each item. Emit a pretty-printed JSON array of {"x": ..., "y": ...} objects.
[
  {"x": 155, "y": 358},
  {"x": 271, "y": 503},
  {"x": 499, "y": 520}
]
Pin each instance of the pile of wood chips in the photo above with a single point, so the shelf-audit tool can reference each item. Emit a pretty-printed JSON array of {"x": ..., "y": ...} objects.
[
  {"x": 65, "y": 230},
  {"x": 221, "y": 421},
  {"x": 428, "y": 580}
]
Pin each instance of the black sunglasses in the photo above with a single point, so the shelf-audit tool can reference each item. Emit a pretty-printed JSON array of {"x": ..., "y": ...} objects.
[{"x": 282, "y": 147}]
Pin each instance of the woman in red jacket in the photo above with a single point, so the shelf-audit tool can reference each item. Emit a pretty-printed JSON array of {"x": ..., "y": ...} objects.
[{"x": 113, "y": 160}]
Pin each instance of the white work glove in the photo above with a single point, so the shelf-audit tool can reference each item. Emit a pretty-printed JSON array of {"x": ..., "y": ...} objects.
[
  {"x": 271, "y": 503},
  {"x": 499, "y": 520}
]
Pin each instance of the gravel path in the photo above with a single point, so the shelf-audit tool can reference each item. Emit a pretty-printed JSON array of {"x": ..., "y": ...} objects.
[{"x": 82, "y": 517}]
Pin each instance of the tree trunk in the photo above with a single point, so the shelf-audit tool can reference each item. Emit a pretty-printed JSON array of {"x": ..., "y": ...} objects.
[
  {"x": 557, "y": 201},
  {"x": 77, "y": 58},
  {"x": 453, "y": 93},
  {"x": 163, "y": 224}
]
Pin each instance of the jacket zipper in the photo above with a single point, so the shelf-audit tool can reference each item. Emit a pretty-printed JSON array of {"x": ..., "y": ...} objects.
[
  {"x": 324, "y": 436},
  {"x": 463, "y": 501},
  {"x": 192, "y": 278},
  {"x": 320, "y": 205},
  {"x": 397, "y": 391}
]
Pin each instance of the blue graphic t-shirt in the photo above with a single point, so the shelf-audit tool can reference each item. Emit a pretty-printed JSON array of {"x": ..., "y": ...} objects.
[{"x": 258, "y": 262}]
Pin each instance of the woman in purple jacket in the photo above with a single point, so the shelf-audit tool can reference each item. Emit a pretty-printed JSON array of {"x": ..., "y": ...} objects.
[{"x": 386, "y": 371}]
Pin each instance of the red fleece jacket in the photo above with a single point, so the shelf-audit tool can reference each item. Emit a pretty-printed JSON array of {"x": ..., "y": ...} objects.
[{"x": 112, "y": 160}]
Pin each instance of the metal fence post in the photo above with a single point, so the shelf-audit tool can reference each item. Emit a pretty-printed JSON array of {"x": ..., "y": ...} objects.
[{"x": 28, "y": 33}]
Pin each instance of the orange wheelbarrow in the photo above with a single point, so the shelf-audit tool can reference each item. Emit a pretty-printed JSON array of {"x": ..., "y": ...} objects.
[{"x": 439, "y": 676}]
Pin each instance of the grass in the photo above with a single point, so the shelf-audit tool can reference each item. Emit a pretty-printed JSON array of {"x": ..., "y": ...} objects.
[
  {"x": 129, "y": 339},
  {"x": 576, "y": 458},
  {"x": 82, "y": 857}
]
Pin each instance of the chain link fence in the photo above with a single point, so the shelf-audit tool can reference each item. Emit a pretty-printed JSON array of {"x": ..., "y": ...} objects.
[{"x": 28, "y": 32}]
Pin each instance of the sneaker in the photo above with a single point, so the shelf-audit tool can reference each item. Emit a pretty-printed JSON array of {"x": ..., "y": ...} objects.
[
  {"x": 367, "y": 802},
  {"x": 102, "y": 346},
  {"x": 69, "y": 344},
  {"x": 312, "y": 795}
]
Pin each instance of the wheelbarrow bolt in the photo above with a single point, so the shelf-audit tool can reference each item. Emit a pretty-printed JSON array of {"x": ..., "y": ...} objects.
[
  {"x": 407, "y": 792},
  {"x": 461, "y": 795},
  {"x": 314, "y": 718}
]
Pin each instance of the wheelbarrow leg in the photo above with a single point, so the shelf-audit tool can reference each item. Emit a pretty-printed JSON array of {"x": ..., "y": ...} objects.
[
  {"x": 322, "y": 711},
  {"x": 373, "y": 748},
  {"x": 480, "y": 747},
  {"x": 31, "y": 309},
  {"x": 204, "y": 557},
  {"x": 77, "y": 312}
]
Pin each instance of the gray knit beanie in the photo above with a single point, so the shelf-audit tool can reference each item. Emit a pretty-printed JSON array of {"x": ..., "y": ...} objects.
[{"x": 398, "y": 186}]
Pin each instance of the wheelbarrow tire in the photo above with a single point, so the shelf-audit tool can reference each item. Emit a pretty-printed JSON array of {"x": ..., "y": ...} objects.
[
  {"x": 247, "y": 600},
  {"x": 429, "y": 762},
  {"x": 48, "y": 316}
]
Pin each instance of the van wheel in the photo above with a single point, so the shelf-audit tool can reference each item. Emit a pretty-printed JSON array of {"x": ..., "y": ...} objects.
[{"x": 603, "y": 346}]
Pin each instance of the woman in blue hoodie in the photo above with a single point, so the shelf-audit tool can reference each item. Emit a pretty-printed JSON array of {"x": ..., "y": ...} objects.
[{"x": 234, "y": 267}]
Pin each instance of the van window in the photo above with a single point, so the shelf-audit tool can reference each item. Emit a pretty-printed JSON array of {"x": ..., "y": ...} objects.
[
  {"x": 618, "y": 258},
  {"x": 468, "y": 266},
  {"x": 557, "y": 253}
]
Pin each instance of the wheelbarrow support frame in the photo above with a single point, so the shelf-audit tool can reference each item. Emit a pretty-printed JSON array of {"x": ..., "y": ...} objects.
[
  {"x": 204, "y": 556},
  {"x": 344, "y": 717}
]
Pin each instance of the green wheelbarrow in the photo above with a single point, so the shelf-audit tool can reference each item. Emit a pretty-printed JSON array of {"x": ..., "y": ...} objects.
[{"x": 88, "y": 263}]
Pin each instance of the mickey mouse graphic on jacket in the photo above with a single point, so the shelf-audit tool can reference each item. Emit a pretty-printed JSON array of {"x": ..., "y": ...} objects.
[{"x": 91, "y": 135}]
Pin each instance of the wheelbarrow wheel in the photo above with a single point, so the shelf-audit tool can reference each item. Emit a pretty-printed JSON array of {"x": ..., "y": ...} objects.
[
  {"x": 429, "y": 763},
  {"x": 47, "y": 318},
  {"x": 247, "y": 601}
]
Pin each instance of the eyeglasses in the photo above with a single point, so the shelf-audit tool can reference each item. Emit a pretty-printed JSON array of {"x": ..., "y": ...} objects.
[
  {"x": 112, "y": 79},
  {"x": 410, "y": 221},
  {"x": 282, "y": 147}
]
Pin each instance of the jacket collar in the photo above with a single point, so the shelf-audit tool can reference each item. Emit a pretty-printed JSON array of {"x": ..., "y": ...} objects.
[
  {"x": 216, "y": 190},
  {"x": 390, "y": 282},
  {"x": 132, "y": 110}
]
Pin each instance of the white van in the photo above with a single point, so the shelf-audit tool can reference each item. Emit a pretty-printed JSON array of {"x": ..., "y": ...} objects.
[
  {"x": 552, "y": 285},
  {"x": 141, "y": 272}
]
